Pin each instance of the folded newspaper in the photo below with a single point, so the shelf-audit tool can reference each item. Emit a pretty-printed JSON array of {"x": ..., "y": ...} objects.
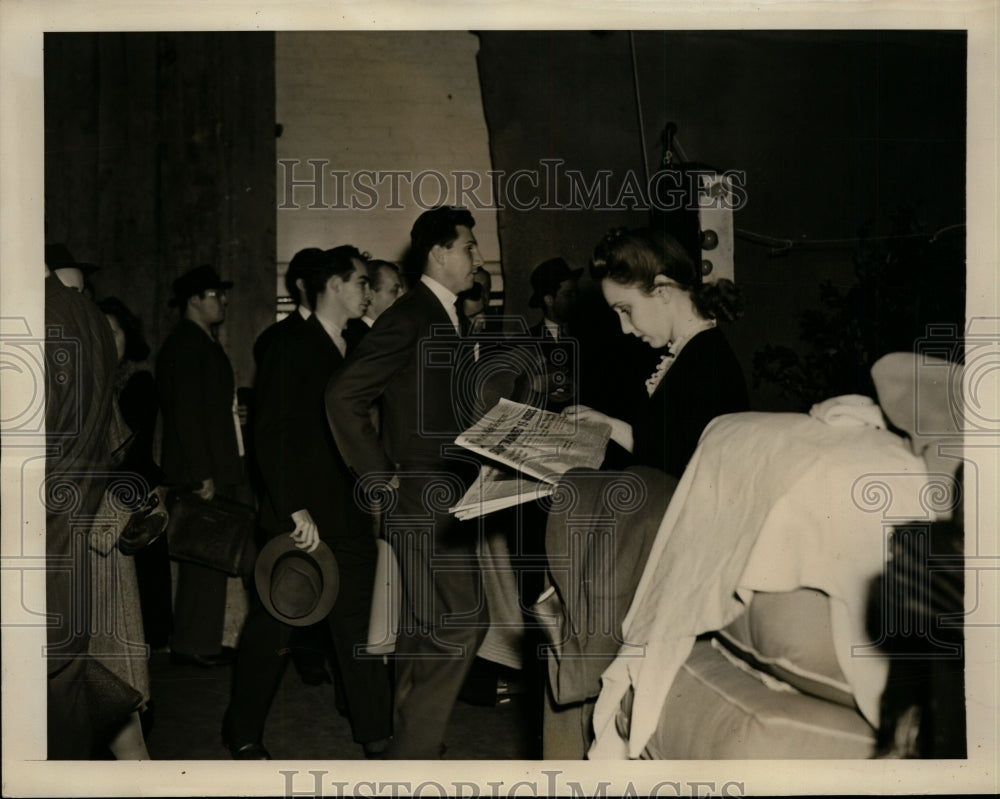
[
  {"x": 540, "y": 446},
  {"x": 497, "y": 487}
]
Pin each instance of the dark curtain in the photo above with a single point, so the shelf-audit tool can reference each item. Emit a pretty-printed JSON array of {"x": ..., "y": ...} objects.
[
  {"x": 567, "y": 96},
  {"x": 159, "y": 156},
  {"x": 839, "y": 134}
]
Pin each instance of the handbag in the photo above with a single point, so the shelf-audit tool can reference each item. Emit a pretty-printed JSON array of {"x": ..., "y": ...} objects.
[
  {"x": 144, "y": 526},
  {"x": 211, "y": 533}
]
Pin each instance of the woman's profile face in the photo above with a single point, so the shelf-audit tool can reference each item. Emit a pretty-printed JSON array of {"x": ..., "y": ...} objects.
[
  {"x": 642, "y": 315},
  {"x": 118, "y": 334}
]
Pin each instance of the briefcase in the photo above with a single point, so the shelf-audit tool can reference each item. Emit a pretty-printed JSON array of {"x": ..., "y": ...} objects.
[{"x": 211, "y": 533}]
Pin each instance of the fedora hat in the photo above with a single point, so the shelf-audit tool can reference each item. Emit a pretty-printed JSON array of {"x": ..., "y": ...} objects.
[
  {"x": 58, "y": 256},
  {"x": 295, "y": 586},
  {"x": 547, "y": 276},
  {"x": 199, "y": 279}
]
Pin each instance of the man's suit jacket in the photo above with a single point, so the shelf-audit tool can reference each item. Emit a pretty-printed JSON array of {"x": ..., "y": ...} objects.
[
  {"x": 274, "y": 334},
  {"x": 196, "y": 387},
  {"x": 412, "y": 374},
  {"x": 560, "y": 370},
  {"x": 356, "y": 330},
  {"x": 296, "y": 453}
]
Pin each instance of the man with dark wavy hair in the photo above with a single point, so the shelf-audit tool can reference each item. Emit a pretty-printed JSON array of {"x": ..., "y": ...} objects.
[
  {"x": 309, "y": 645},
  {"x": 302, "y": 262},
  {"x": 399, "y": 365},
  {"x": 310, "y": 497}
]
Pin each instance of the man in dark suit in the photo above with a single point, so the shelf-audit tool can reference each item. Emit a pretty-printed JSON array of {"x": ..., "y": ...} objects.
[
  {"x": 309, "y": 645},
  {"x": 310, "y": 496},
  {"x": 406, "y": 363},
  {"x": 554, "y": 291},
  {"x": 202, "y": 448},
  {"x": 298, "y": 267},
  {"x": 387, "y": 286}
]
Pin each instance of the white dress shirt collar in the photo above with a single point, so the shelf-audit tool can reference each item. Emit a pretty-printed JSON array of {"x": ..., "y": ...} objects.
[
  {"x": 336, "y": 335},
  {"x": 445, "y": 296}
]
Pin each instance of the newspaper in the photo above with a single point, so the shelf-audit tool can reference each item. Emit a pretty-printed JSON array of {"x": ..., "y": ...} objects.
[
  {"x": 536, "y": 443},
  {"x": 496, "y": 488},
  {"x": 541, "y": 444}
]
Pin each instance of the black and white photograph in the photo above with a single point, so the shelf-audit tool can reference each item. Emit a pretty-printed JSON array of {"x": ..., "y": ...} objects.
[{"x": 509, "y": 400}]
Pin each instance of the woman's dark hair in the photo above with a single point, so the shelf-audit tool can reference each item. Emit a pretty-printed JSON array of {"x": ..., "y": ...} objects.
[
  {"x": 637, "y": 257},
  {"x": 338, "y": 261},
  {"x": 136, "y": 348}
]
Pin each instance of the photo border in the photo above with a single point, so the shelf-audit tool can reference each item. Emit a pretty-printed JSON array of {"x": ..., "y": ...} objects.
[{"x": 22, "y": 24}]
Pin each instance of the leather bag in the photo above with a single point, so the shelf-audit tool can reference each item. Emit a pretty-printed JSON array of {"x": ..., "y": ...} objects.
[{"x": 211, "y": 533}]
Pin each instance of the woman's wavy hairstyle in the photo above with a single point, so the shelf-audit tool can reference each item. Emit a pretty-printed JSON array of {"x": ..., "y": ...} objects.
[
  {"x": 136, "y": 348},
  {"x": 637, "y": 257}
]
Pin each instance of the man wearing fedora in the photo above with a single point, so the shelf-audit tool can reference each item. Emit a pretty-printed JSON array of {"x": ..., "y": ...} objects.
[
  {"x": 407, "y": 363},
  {"x": 71, "y": 273},
  {"x": 316, "y": 526},
  {"x": 554, "y": 292},
  {"x": 202, "y": 449}
]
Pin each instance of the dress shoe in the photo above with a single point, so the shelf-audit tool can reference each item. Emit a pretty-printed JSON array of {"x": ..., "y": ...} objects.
[
  {"x": 251, "y": 751},
  {"x": 224, "y": 657},
  {"x": 375, "y": 750},
  {"x": 242, "y": 751}
]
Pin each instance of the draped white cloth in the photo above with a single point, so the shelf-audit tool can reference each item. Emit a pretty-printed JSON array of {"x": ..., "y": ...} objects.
[{"x": 769, "y": 502}]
